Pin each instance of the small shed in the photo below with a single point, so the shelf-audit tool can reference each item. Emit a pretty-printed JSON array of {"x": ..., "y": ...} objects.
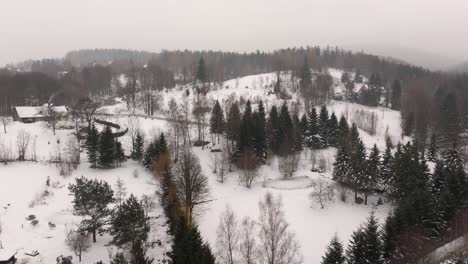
[
  {"x": 31, "y": 114},
  {"x": 7, "y": 256}
]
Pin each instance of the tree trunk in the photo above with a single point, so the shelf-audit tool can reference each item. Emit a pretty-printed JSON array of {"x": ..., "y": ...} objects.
[{"x": 94, "y": 236}]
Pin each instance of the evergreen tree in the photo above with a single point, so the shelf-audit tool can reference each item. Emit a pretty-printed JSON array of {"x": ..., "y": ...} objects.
[
  {"x": 297, "y": 133},
  {"x": 217, "y": 120},
  {"x": 456, "y": 177},
  {"x": 373, "y": 172},
  {"x": 451, "y": 120},
  {"x": 285, "y": 130},
  {"x": 246, "y": 129},
  {"x": 353, "y": 136},
  {"x": 312, "y": 136},
  {"x": 432, "y": 152},
  {"x": 356, "y": 251},
  {"x": 358, "y": 76},
  {"x": 138, "y": 252},
  {"x": 106, "y": 148},
  {"x": 305, "y": 83},
  {"x": 274, "y": 130},
  {"x": 343, "y": 132},
  {"x": 259, "y": 133},
  {"x": 91, "y": 199},
  {"x": 439, "y": 178},
  {"x": 233, "y": 123},
  {"x": 137, "y": 147},
  {"x": 389, "y": 237},
  {"x": 92, "y": 145},
  {"x": 304, "y": 127},
  {"x": 358, "y": 167},
  {"x": 332, "y": 128},
  {"x": 201, "y": 74},
  {"x": 373, "y": 247},
  {"x": 334, "y": 253},
  {"x": 162, "y": 144},
  {"x": 323, "y": 127},
  {"x": 341, "y": 166},
  {"x": 119, "y": 258},
  {"x": 129, "y": 223},
  {"x": 151, "y": 153},
  {"x": 387, "y": 173},
  {"x": 119, "y": 154}
]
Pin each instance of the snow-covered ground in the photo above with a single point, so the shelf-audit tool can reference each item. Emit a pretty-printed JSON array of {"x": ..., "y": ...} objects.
[{"x": 22, "y": 182}]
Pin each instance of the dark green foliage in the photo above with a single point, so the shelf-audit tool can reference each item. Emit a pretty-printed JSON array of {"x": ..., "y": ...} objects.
[
  {"x": 119, "y": 154},
  {"x": 356, "y": 251},
  {"x": 129, "y": 223},
  {"x": 92, "y": 146},
  {"x": 91, "y": 199},
  {"x": 119, "y": 258},
  {"x": 312, "y": 138},
  {"x": 450, "y": 123},
  {"x": 274, "y": 129},
  {"x": 373, "y": 172},
  {"x": 358, "y": 167},
  {"x": 322, "y": 126},
  {"x": 137, "y": 147},
  {"x": 343, "y": 132},
  {"x": 341, "y": 167},
  {"x": 138, "y": 252},
  {"x": 373, "y": 248},
  {"x": 432, "y": 151},
  {"x": 353, "y": 136},
  {"x": 64, "y": 260},
  {"x": 154, "y": 150},
  {"x": 188, "y": 246},
  {"x": 387, "y": 173},
  {"x": 246, "y": 129},
  {"x": 455, "y": 173},
  {"x": 285, "y": 137},
  {"x": 106, "y": 148},
  {"x": 233, "y": 123},
  {"x": 297, "y": 133},
  {"x": 259, "y": 133},
  {"x": 217, "y": 120},
  {"x": 332, "y": 130},
  {"x": 334, "y": 253},
  {"x": 389, "y": 236}
]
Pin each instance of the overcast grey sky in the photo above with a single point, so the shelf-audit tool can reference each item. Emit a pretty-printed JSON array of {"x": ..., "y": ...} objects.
[{"x": 50, "y": 28}]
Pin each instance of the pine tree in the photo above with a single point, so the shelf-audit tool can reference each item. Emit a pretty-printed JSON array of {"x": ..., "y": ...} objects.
[
  {"x": 106, "y": 148},
  {"x": 341, "y": 166},
  {"x": 456, "y": 176},
  {"x": 373, "y": 172},
  {"x": 432, "y": 152},
  {"x": 389, "y": 236},
  {"x": 358, "y": 167},
  {"x": 356, "y": 251},
  {"x": 343, "y": 132},
  {"x": 313, "y": 139},
  {"x": 139, "y": 255},
  {"x": 119, "y": 258},
  {"x": 285, "y": 130},
  {"x": 259, "y": 134},
  {"x": 128, "y": 223},
  {"x": 438, "y": 178},
  {"x": 233, "y": 123},
  {"x": 332, "y": 128},
  {"x": 297, "y": 133},
  {"x": 92, "y": 145},
  {"x": 217, "y": 120},
  {"x": 137, "y": 147},
  {"x": 119, "y": 154},
  {"x": 323, "y": 127},
  {"x": 334, "y": 253},
  {"x": 305, "y": 83},
  {"x": 304, "y": 126},
  {"x": 152, "y": 151},
  {"x": 274, "y": 130},
  {"x": 353, "y": 136},
  {"x": 246, "y": 129},
  {"x": 373, "y": 247},
  {"x": 162, "y": 143},
  {"x": 387, "y": 173}
]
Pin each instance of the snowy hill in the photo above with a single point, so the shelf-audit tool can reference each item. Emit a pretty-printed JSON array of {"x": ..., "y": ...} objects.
[{"x": 23, "y": 191}]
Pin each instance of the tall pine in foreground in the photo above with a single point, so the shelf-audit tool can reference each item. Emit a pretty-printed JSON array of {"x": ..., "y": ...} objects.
[
  {"x": 373, "y": 247},
  {"x": 334, "y": 253},
  {"x": 259, "y": 133},
  {"x": 356, "y": 251},
  {"x": 137, "y": 147},
  {"x": 92, "y": 146},
  {"x": 106, "y": 148},
  {"x": 217, "y": 120}
]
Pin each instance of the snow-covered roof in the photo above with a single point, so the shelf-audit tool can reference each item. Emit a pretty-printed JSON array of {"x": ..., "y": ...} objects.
[{"x": 38, "y": 111}]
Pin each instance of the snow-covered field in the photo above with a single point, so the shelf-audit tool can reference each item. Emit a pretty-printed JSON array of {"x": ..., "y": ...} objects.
[{"x": 22, "y": 182}]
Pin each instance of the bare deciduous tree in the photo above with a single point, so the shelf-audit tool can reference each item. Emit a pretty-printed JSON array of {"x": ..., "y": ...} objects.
[
  {"x": 247, "y": 241},
  {"x": 190, "y": 182},
  {"x": 250, "y": 167},
  {"x": 277, "y": 244},
  {"x": 5, "y": 121},
  {"x": 78, "y": 241},
  {"x": 51, "y": 116},
  {"x": 322, "y": 192},
  {"x": 227, "y": 237},
  {"x": 22, "y": 143},
  {"x": 288, "y": 164}
]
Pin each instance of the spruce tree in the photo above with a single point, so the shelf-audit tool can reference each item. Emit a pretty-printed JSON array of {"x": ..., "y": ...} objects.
[
  {"x": 259, "y": 133},
  {"x": 353, "y": 136},
  {"x": 129, "y": 223},
  {"x": 343, "y": 132},
  {"x": 358, "y": 167},
  {"x": 119, "y": 258},
  {"x": 313, "y": 138},
  {"x": 373, "y": 172},
  {"x": 432, "y": 151},
  {"x": 389, "y": 236},
  {"x": 456, "y": 176},
  {"x": 137, "y": 147},
  {"x": 387, "y": 173},
  {"x": 438, "y": 178},
  {"x": 373, "y": 247},
  {"x": 356, "y": 251},
  {"x": 217, "y": 120},
  {"x": 304, "y": 126},
  {"x": 342, "y": 166},
  {"x": 297, "y": 133},
  {"x": 152, "y": 151},
  {"x": 285, "y": 130},
  {"x": 139, "y": 254},
  {"x": 233, "y": 124},
  {"x": 92, "y": 146},
  {"x": 106, "y": 148},
  {"x": 274, "y": 130},
  {"x": 246, "y": 129},
  {"x": 323, "y": 127},
  {"x": 396, "y": 95},
  {"x": 332, "y": 128},
  {"x": 119, "y": 154},
  {"x": 334, "y": 253},
  {"x": 201, "y": 74}
]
